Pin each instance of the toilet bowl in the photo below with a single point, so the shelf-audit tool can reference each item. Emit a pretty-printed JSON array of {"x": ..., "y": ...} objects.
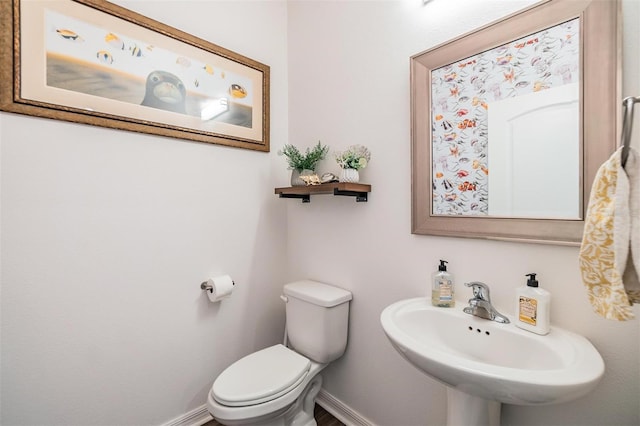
[
  {"x": 261, "y": 389},
  {"x": 278, "y": 385}
]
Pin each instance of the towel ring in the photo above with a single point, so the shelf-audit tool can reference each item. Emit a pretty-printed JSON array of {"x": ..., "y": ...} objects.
[{"x": 627, "y": 126}]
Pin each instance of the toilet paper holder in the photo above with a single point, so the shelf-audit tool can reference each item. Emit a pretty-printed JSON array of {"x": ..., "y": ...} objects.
[{"x": 208, "y": 287}]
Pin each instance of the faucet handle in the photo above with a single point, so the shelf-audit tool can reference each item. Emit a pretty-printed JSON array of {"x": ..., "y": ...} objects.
[{"x": 480, "y": 290}]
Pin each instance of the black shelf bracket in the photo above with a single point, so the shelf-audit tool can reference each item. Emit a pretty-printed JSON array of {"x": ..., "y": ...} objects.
[
  {"x": 361, "y": 197},
  {"x": 306, "y": 198}
]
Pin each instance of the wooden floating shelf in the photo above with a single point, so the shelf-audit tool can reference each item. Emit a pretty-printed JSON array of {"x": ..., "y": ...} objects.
[{"x": 358, "y": 190}]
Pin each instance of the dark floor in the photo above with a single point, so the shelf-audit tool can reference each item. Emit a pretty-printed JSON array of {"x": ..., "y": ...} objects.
[{"x": 323, "y": 418}]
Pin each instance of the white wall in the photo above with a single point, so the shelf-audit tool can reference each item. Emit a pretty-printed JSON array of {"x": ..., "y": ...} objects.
[
  {"x": 631, "y": 60},
  {"x": 349, "y": 83},
  {"x": 107, "y": 235}
]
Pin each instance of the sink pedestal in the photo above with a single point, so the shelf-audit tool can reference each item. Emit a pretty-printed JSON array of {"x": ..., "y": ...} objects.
[{"x": 470, "y": 410}]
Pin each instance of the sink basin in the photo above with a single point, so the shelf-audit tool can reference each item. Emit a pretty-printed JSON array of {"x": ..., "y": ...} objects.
[{"x": 493, "y": 361}]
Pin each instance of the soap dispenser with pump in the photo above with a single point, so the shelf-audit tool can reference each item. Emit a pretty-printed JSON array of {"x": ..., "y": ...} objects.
[
  {"x": 443, "y": 287},
  {"x": 532, "y": 307}
]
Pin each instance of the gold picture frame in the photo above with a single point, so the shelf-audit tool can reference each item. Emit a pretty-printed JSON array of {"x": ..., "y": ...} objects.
[{"x": 93, "y": 62}]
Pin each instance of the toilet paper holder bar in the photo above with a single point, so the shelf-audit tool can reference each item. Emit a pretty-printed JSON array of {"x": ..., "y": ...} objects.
[{"x": 208, "y": 287}]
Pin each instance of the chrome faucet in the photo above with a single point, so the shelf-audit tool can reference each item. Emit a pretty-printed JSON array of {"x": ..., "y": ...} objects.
[{"x": 480, "y": 304}]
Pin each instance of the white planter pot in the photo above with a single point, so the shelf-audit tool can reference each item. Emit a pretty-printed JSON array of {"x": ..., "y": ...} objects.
[{"x": 349, "y": 175}]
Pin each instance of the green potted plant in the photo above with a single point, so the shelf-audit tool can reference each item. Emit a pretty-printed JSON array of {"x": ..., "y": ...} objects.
[
  {"x": 354, "y": 158},
  {"x": 303, "y": 164}
]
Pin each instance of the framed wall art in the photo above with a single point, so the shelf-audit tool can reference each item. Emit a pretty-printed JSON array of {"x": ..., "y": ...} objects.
[{"x": 93, "y": 62}]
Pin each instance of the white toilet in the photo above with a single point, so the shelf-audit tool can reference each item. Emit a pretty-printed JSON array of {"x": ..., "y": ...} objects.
[{"x": 277, "y": 386}]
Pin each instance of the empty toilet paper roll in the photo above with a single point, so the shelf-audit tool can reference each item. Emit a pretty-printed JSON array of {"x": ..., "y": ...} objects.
[{"x": 221, "y": 288}]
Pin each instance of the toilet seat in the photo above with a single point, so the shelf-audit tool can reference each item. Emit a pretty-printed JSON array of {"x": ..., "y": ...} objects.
[{"x": 260, "y": 377}]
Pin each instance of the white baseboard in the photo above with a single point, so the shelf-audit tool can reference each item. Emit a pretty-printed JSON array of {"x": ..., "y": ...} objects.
[
  {"x": 195, "y": 417},
  {"x": 340, "y": 410},
  {"x": 333, "y": 405}
]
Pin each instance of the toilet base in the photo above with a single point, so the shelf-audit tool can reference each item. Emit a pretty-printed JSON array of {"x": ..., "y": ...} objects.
[
  {"x": 298, "y": 413},
  {"x": 301, "y": 412}
]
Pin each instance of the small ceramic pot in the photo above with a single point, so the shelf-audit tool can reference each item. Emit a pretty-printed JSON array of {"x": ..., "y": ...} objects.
[{"x": 349, "y": 175}]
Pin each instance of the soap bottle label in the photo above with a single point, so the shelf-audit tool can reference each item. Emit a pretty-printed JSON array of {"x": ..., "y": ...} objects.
[
  {"x": 446, "y": 290},
  {"x": 528, "y": 309}
]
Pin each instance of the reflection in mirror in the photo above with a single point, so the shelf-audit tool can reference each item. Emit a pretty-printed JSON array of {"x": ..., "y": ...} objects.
[
  {"x": 535, "y": 146},
  {"x": 506, "y": 129},
  {"x": 510, "y": 123}
]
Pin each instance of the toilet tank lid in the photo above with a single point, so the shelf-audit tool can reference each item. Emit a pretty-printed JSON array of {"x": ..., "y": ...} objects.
[{"x": 317, "y": 293}]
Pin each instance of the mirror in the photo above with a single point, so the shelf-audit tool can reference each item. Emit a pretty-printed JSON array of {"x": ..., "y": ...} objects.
[{"x": 511, "y": 122}]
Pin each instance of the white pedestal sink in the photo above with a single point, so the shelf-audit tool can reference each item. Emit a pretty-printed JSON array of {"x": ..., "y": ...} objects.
[{"x": 485, "y": 363}]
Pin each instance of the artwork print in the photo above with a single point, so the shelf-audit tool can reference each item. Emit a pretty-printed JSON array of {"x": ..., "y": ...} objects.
[
  {"x": 99, "y": 61},
  {"x": 462, "y": 93},
  {"x": 96, "y": 63}
]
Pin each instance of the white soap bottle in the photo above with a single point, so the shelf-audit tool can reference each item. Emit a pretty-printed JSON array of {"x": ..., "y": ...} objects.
[
  {"x": 533, "y": 307},
  {"x": 443, "y": 288}
]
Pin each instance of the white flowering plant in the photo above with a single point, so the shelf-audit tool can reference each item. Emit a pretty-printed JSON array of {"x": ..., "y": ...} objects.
[{"x": 354, "y": 157}]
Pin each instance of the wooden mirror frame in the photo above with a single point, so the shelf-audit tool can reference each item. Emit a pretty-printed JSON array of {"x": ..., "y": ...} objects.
[{"x": 600, "y": 107}]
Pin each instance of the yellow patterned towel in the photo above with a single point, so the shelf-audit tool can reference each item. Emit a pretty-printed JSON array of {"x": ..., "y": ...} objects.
[{"x": 610, "y": 251}]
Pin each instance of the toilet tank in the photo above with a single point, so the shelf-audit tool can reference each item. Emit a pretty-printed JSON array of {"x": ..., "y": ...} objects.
[{"x": 317, "y": 319}]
